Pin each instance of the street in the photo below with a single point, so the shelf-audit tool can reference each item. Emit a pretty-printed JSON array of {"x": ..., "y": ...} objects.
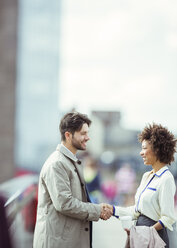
[{"x": 108, "y": 234}]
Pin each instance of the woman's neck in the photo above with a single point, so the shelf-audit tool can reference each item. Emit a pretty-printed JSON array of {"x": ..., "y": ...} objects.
[{"x": 157, "y": 166}]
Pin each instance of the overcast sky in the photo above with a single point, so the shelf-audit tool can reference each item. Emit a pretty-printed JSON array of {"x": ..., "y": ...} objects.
[{"x": 120, "y": 55}]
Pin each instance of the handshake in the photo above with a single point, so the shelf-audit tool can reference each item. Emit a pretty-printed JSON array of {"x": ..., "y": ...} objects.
[{"x": 106, "y": 211}]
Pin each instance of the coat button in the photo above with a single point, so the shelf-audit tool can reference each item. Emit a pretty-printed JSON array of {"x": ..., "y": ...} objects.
[{"x": 86, "y": 229}]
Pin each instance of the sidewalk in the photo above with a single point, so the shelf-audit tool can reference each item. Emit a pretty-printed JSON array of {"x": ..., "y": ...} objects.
[{"x": 108, "y": 234}]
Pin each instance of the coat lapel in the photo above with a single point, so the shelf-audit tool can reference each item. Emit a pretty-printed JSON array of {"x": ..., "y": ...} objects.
[
  {"x": 80, "y": 171},
  {"x": 77, "y": 165}
]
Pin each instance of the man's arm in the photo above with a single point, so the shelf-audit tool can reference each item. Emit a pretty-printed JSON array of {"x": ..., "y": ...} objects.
[{"x": 58, "y": 186}]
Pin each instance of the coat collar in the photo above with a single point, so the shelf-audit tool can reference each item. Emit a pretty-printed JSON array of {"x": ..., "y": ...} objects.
[
  {"x": 66, "y": 152},
  {"x": 76, "y": 162},
  {"x": 160, "y": 172}
]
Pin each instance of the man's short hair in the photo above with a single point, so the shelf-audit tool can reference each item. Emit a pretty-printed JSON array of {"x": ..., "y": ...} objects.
[{"x": 72, "y": 122}]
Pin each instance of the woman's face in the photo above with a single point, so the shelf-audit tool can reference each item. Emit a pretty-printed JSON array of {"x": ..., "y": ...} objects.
[{"x": 147, "y": 153}]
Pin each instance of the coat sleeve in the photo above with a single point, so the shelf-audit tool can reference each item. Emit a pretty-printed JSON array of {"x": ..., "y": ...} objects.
[{"x": 57, "y": 182}]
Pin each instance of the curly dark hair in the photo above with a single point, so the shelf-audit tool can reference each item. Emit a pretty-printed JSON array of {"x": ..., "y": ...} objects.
[
  {"x": 72, "y": 122},
  {"x": 162, "y": 141}
]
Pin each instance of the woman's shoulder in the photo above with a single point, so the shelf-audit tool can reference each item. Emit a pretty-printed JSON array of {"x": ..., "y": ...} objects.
[
  {"x": 164, "y": 173},
  {"x": 168, "y": 175},
  {"x": 168, "y": 179}
]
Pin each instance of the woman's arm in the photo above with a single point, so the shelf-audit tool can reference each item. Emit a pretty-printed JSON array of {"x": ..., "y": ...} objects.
[
  {"x": 123, "y": 211},
  {"x": 158, "y": 226},
  {"x": 166, "y": 202}
]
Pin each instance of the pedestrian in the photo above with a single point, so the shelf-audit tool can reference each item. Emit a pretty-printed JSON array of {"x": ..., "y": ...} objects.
[
  {"x": 64, "y": 213},
  {"x": 92, "y": 178},
  {"x": 154, "y": 199},
  {"x": 126, "y": 180},
  {"x": 5, "y": 238}
]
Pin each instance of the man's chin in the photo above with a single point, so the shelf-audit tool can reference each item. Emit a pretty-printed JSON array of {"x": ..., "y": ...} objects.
[
  {"x": 81, "y": 148},
  {"x": 84, "y": 147}
]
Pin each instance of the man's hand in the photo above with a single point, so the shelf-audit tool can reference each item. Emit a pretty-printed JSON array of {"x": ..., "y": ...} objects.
[{"x": 106, "y": 211}]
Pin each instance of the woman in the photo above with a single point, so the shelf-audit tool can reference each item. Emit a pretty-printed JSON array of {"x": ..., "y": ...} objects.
[{"x": 154, "y": 199}]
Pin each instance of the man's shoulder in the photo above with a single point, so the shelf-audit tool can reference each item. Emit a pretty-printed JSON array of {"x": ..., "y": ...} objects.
[{"x": 55, "y": 160}]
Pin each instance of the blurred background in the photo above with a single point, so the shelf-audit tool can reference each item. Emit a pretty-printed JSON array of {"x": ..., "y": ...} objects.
[{"x": 113, "y": 60}]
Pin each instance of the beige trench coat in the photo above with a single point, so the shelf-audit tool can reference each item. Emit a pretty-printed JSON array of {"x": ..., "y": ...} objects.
[{"x": 63, "y": 213}]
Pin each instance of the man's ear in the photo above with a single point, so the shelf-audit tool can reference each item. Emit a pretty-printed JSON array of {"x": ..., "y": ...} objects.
[{"x": 68, "y": 135}]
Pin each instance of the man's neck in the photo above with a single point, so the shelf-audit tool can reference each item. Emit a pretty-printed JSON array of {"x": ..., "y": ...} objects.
[{"x": 69, "y": 147}]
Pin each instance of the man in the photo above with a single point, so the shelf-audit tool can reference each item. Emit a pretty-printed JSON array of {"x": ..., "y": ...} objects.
[{"x": 64, "y": 214}]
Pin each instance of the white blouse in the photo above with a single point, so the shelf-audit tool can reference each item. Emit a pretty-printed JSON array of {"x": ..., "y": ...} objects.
[{"x": 154, "y": 198}]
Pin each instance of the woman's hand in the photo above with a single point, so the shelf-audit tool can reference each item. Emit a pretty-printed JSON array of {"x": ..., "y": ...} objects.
[
  {"x": 157, "y": 226},
  {"x": 128, "y": 231}
]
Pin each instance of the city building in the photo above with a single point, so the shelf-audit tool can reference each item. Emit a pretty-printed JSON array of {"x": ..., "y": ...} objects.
[
  {"x": 37, "y": 112},
  {"x": 8, "y": 43},
  {"x": 110, "y": 141}
]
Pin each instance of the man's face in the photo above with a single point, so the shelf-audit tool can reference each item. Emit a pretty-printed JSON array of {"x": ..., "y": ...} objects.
[{"x": 80, "y": 138}]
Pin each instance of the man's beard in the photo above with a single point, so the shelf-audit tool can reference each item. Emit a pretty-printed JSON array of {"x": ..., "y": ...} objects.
[{"x": 77, "y": 145}]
